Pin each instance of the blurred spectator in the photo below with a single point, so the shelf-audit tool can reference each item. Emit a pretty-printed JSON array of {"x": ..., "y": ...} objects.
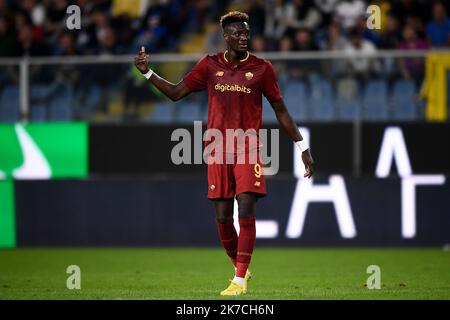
[
  {"x": 67, "y": 45},
  {"x": 411, "y": 41},
  {"x": 302, "y": 14},
  {"x": 412, "y": 68},
  {"x": 334, "y": 40},
  {"x": 284, "y": 68},
  {"x": 285, "y": 44},
  {"x": 327, "y": 8},
  {"x": 84, "y": 38},
  {"x": 348, "y": 12},
  {"x": 409, "y": 10},
  {"x": 105, "y": 75},
  {"x": 275, "y": 19},
  {"x": 108, "y": 43},
  {"x": 303, "y": 40},
  {"x": 214, "y": 38},
  {"x": 258, "y": 43},
  {"x": 391, "y": 37},
  {"x": 22, "y": 19},
  {"x": 36, "y": 11},
  {"x": 8, "y": 37},
  {"x": 217, "y": 8},
  {"x": 361, "y": 67},
  {"x": 166, "y": 25},
  {"x": 68, "y": 74},
  {"x": 64, "y": 75},
  {"x": 197, "y": 14},
  {"x": 178, "y": 11},
  {"x": 438, "y": 29},
  {"x": 55, "y": 17},
  {"x": 417, "y": 24},
  {"x": 28, "y": 46},
  {"x": 125, "y": 16},
  {"x": 89, "y": 37},
  {"x": 153, "y": 30},
  {"x": 257, "y": 14},
  {"x": 368, "y": 34}
]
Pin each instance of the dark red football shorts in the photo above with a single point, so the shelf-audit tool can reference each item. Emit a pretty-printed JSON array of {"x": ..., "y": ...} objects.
[{"x": 228, "y": 180}]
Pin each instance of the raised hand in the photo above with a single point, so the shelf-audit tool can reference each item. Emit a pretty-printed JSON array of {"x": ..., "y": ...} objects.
[{"x": 141, "y": 61}]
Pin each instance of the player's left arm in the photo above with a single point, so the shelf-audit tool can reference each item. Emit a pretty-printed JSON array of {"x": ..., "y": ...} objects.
[
  {"x": 272, "y": 92},
  {"x": 287, "y": 123}
]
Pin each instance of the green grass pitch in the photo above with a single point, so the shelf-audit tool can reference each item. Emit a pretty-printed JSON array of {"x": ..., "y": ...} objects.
[{"x": 159, "y": 273}]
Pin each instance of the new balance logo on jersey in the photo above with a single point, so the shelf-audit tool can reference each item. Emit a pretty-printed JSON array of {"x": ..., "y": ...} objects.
[{"x": 234, "y": 87}]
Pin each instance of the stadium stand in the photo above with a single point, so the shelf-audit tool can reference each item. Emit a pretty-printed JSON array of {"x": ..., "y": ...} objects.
[
  {"x": 60, "y": 105},
  {"x": 163, "y": 112},
  {"x": 38, "y": 103},
  {"x": 348, "y": 99},
  {"x": 36, "y": 28},
  {"x": 375, "y": 101},
  {"x": 404, "y": 106},
  {"x": 268, "y": 114},
  {"x": 9, "y": 104},
  {"x": 297, "y": 100},
  {"x": 187, "y": 112},
  {"x": 322, "y": 101}
]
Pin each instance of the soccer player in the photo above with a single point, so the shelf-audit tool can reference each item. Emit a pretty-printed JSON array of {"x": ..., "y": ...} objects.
[{"x": 235, "y": 81}]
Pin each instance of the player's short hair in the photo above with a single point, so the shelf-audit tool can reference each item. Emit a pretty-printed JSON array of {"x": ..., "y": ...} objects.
[{"x": 233, "y": 16}]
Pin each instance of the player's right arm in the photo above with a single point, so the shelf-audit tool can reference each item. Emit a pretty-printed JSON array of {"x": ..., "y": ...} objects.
[{"x": 173, "y": 91}]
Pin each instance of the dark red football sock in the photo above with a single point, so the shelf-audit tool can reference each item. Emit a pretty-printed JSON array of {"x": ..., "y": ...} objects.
[
  {"x": 229, "y": 238},
  {"x": 246, "y": 243}
]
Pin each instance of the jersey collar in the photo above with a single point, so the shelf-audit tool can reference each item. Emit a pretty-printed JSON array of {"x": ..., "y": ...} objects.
[{"x": 240, "y": 61}]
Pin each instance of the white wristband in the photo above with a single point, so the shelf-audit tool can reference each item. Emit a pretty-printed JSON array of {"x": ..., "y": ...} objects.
[
  {"x": 303, "y": 145},
  {"x": 148, "y": 74}
]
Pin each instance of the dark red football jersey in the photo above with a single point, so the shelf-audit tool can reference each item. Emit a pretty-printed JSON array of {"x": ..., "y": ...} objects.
[{"x": 234, "y": 94}]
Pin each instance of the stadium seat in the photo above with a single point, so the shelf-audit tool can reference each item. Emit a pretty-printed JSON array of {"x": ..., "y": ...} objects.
[
  {"x": 92, "y": 101},
  {"x": 60, "y": 105},
  {"x": 187, "y": 112},
  {"x": 10, "y": 104},
  {"x": 348, "y": 88},
  {"x": 375, "y": 101},
  {"x": 296, "y": 100},
  {"x": 321, "y": 101},
  {"x": 268, "y": 115},
  {"x": 348, "y": 99},
  {"x": 163, "y": 112},
  {"x": 404, "y": 106},
  {"x": 38, "y": 103},
  {"x": 348, "y": 110},
  {"x": 38, "y": 113},
  {"x": 39, "y": 91},
  {"x": 204, "y": 112}
]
